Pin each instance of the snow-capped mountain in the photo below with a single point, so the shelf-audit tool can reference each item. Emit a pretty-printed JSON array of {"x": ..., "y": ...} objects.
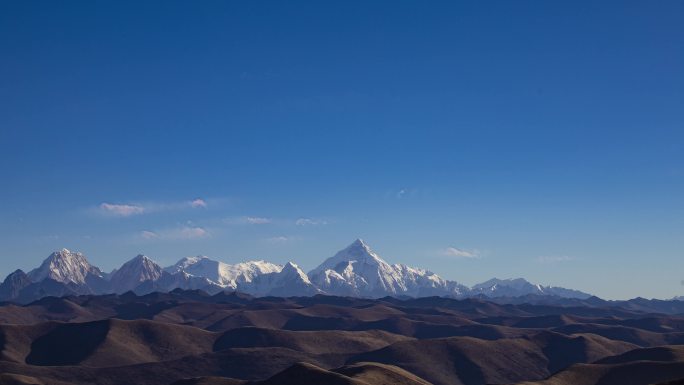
[
  {"x": 520, "y": 287},
  {"x": 181, "y": 280},
  {"x": 289, "y": 281},
  {"x": 223, "y": 274},
  {"x": 133, "y": 273},
  {"x": 353, "y": 271},
  {"x": 66, "y": 266},
  {"x": 358, "y": 271}
]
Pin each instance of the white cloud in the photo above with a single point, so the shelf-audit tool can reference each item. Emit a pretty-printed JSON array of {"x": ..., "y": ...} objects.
[
  {"x": 149, "y": 234},
  {"x": 554, "y": 258},
  {"x": 182, "y": 233},
  {"x": 127, "y": 210},
  {"x": 460, "y": 253},
  {"x": 121, "y": 210},
  {"x": 247, "y": 220},
  {"x": 198, "y": 203},
  {"x": 279, "y": 239},
  {"x": 192, "y": 233},
  {"x": 257, "y": 220},
  {"x": 310, "y": 222}
]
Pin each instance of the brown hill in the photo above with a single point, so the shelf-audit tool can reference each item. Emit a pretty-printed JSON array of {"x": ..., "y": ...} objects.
[
  {"x": 364, "y": 373},
  {"x": 317, "y": 343},
  {"x": 102, "y": 343},
  {"x": 633, "y": 373},
  {"x": 230, "y": 338},
  {"x": 466, "y": 360}
]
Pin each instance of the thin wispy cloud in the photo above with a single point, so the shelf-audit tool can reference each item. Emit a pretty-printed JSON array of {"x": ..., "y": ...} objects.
[
  {"x": 146, "y": 234},
  {"x": 310, "y": 222},
  {"x": 193, "y": 233},
  {"x": 455, "y": 252},
  {"x": 278, "y": 239},
  {"x": 181, "y": 233},
  {"x": 121, "y": 210},
  {"x": 248, "y": 220},
  {"x": 258, "y": 220},
  {"x": 131, "y": 209},
  {"x": 554, "y": 258}
]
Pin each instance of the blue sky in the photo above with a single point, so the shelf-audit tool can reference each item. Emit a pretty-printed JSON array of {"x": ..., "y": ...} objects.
[{"x": 500, "y": 139}]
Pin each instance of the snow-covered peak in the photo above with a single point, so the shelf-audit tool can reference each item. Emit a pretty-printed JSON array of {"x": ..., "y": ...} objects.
[
  {"x": 519, "y": 287},
  {"x": 517, "y": 284},
  {"x": 65, "y": 266},
  {"x": 134, "y": 272},
  {"x": 358, "y": 253},
  {"x": 290, "y": 280},
  {"x": 221, "y": 273},
  {"x": 291, "y": 270},
  {"x": 187, "y": 262},
  {"x": 357, "y": 270}
]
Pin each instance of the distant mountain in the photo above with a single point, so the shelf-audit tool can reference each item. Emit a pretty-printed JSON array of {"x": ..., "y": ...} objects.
[
  {"x": 290, "y": 281},
  {"x": 50, "y": 288},
  {"x": 66, "y": 266},
  {"x": 133, "y": 273},
  {"x": 223, "y": 274},
  {"x": 520, "y": 287},
  {"x": 13, "y": 285},
  {"x": 358, "y": 271},
  {"x": 355, "y": 271},
  {"x": 182, "y": 280}
]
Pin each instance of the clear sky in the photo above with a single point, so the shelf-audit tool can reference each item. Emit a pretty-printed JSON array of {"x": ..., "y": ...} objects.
[{"x": 541, "y": 139}]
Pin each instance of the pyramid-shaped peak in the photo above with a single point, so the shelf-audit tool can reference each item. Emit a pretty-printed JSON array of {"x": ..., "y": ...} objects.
[
  {"x": 359, "y": 243},
  {"x": 292, "y": 268},
  {"x": 65, "y": 266},
  {"x": 358, "y": 250},
  {"x": 134, "y": 272},
  {"x": 141, "y": 258},
  {"x": 64, "y": 253},
  {"x": 18, "y": 274}
]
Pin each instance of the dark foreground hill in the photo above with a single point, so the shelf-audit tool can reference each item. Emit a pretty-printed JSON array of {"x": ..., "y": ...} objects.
[{"x": 190, "y": 337}]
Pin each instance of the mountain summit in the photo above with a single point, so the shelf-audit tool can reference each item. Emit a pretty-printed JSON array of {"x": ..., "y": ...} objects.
[
  {"x": 66, "y": 267},
  {"x": 289, "y": 281},
  {"x": 223, "y": 274},
  {"x": 135, "y": 272},
  {"x": 357, "y": 270},
  {"x": 520, "y": 287}
]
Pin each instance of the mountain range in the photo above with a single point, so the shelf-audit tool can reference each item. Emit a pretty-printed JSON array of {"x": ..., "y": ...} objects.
[{"x": 355, "y": 271}]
